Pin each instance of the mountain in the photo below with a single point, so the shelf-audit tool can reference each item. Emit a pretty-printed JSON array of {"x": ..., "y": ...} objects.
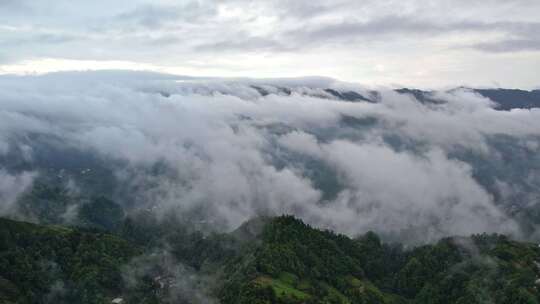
[
  {"x": 504, "y": 99},
  {"x": 56, "y": 264},
  {"x": 266, "y": 260},
  {"x": 296, "y": 263},
  {"x": 508, "y": 99}
]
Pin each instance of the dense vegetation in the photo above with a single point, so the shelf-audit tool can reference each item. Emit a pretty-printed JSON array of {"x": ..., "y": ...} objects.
[
  {"x": 54, "y": 264},
  {"x": 298, "y": 264},
  {"x": 267, "y": 260}
]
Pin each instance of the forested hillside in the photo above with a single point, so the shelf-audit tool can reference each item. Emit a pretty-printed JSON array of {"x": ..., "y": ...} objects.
[
  {"x": 298, "y": 264},
  {"x": 54, "y": 264},
  {"x": 266, "y": 260}
]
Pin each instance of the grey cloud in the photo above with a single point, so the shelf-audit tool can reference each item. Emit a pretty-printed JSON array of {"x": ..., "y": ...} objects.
[
  {"x": 40, "y": 39},
  {"x": 231, "y": 153},
  {"x": 150, "y": 16},
  {"x": 156, "y": 16},
  {"x": 510, "y": 45},
  {"x": 245, "y": 42},
  {"x": 306, "y": 35},
  {"x": 380, "y": 28},
  {"x": 344, "y": 38},
  {"x": 15, "y": 5}
]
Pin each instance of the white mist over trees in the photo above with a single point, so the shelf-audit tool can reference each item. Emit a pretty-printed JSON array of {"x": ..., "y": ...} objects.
[{"x": 224, "y": 151}]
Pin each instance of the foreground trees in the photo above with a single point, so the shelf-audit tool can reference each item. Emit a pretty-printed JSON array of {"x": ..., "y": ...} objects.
[{"x": 267, "y": 260}]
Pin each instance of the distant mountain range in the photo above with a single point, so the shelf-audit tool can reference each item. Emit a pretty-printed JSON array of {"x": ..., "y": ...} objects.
[{"x": 506, "y": 99}]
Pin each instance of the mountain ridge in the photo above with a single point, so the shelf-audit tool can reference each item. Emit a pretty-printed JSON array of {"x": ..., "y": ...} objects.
[{"x": 282, "y": 260}]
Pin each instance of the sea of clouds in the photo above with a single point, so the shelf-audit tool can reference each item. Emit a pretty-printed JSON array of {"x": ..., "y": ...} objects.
[{"x": 226, "y": 150}]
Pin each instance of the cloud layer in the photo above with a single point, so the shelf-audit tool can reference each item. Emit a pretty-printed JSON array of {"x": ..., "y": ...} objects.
[
  {"x": 418, "y": 43},
  {"x": 223, "y": 151}
]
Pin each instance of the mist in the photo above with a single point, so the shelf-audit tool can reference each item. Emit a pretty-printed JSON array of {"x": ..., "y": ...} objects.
[{"x": 223, "y": 151}]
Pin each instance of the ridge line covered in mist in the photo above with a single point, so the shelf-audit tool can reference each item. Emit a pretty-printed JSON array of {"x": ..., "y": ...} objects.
[{"x": 409, "y": 164}]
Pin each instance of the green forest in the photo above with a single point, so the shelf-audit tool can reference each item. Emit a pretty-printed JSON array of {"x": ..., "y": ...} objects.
[{"x": 266, "y": 260}]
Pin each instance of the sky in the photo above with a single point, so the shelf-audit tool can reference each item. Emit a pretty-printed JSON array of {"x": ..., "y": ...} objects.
[{"x": 418, "y": 43}]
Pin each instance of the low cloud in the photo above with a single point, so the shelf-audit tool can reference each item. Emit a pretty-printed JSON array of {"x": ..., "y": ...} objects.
[
  {"x": 402, "y": 193},
  {"x": 223, "y": 151},
  {"x": 11, "y": 187},
  {"x": 172, "y": 280}
]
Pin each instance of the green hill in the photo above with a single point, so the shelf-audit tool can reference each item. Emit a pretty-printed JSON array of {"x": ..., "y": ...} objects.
[
  {"x": 267, "y": 260},
  {"x": 296, "y": 263},
  {"x": 55, "y": 264}
]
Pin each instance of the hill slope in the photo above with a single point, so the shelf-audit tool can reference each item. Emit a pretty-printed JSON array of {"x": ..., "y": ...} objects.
[
  {"x": 267, "y": 260},
  {"x": 296, "y": 263},
  {"x": 54, "y": 264}
]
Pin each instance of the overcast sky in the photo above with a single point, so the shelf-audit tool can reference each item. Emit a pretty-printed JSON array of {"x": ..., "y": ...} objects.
[{"x": 421, "y": 43}]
